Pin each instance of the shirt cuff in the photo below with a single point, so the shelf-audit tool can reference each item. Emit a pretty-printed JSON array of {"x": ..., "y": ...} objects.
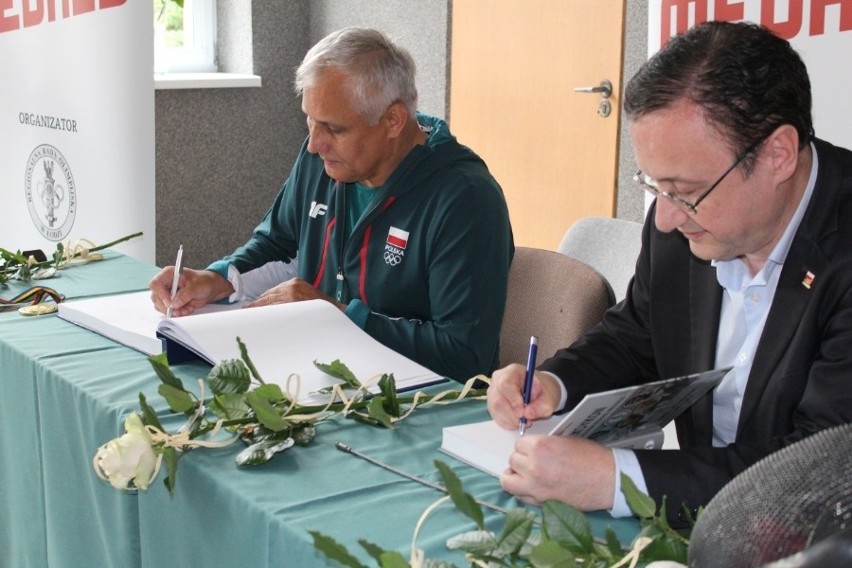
[
  {"x": 626, "y": 463},
  {"x": 227, "y": 271},
  {"x": 358, "y": 313},
  {"x": 563, "y": 396}
]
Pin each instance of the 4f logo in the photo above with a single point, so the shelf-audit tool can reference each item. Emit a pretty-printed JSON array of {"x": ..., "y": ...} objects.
[{"x": 317, "y": 209}]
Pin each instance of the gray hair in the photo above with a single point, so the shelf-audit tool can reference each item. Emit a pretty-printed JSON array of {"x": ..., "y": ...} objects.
[{"x": 379, "y": 72}]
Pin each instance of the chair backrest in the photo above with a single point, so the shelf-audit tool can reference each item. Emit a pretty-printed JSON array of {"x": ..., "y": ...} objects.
[
  {"x": 551, "y": 296},
  {"x": 608, "y": 245}
]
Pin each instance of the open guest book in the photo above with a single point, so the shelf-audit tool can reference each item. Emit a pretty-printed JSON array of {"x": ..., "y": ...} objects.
[
  {"x": 281, "y": 339},
  {"x": 631, "y": 417}
]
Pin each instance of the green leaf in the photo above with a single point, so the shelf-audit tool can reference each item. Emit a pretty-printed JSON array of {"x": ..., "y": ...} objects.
[
  {"x": 339, "y": 371},
  {"x": 463, "y": 501},
  {"x": 149, "y": 416},
  {"x": 516, "y": 530},
  {"x": 161, "y": 366},
  {"x": 393, "y": 559},
  {"x": 651, "y": 530},
  {"x": 603, "y": 553},
  {"x": 247, "y": 360},
  {"x": 613, "y": 544},
  {"x": 170, "y": 458},
  {"x": 376, "y": 411},
  {"x": 229, "y": 376},
  {"x": 267, "y": 414},
  {"x": 179, "y": 400},
  {"x": 390, "y": 402},
  {"x": 334, "y": 551},
  {"x": 270, "y": 392},
  {"x": 549, "y": 554},
  {"x": 641, "y": 505},
  {"x": 666, "y": 547},
  {"x": 384, "y": 558},
  {"x": 661, "y": 517},
  {"x": 568, "y": 526},
  {"x": 374, "y": 550},
  {"x": 230, "y": 406},
  {"x": 14, "y": 256}
]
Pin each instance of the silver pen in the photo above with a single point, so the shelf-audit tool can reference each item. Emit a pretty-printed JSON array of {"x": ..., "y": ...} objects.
[{"x": 176, "y": 278}]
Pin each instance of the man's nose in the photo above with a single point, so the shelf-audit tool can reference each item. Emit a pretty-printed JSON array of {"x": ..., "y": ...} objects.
[
  {"x": 316, "y": 141},
  {"x": 668, "y": 216}
]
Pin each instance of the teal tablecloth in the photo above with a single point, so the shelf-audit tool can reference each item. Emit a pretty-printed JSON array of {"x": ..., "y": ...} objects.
[{"x": 64, "y": 391}]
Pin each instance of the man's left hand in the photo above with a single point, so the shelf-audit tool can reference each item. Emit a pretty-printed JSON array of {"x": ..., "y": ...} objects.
[
  {"x": 573, "y": 470},
  {"x": 293, "y": 290}
]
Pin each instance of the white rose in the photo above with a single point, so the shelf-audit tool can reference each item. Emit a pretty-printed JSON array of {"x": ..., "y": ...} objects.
[{"x": 128, "y": 459}]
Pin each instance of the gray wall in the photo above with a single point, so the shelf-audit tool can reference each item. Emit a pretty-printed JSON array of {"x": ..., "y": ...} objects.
[
  {"x": 223, "y": 153},
  {"x": 631, "y": 200}
]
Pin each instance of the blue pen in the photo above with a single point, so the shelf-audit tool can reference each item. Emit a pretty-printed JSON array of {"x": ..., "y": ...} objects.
[{"x": 522, "y": 423}]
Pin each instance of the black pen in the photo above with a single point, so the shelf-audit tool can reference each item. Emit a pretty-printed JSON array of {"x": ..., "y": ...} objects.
[{"x": 522, "y": 423}]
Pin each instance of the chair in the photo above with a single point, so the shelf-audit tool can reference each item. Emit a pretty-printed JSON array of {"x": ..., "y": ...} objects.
[
  {"x": 552, "y": 296},
  {"x": 608, "y": 245}
]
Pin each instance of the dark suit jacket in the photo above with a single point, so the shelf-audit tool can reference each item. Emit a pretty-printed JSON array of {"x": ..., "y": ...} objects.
[{"x": 801, "y": 378}]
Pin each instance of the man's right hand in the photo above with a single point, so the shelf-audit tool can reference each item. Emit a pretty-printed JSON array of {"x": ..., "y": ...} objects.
[
  {"x": 506, "y": 398},
  {"x": 196, "y": 288}
]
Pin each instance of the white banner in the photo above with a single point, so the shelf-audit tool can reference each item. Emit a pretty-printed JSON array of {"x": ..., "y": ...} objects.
[
  {"x": 76, "y": 124},
  {"x": 820, "y": 30}
]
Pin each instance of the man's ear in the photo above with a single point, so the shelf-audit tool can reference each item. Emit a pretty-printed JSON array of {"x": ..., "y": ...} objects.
[
  {"x": 783, "y": 147},
  {"x": 395, "y": 119}
]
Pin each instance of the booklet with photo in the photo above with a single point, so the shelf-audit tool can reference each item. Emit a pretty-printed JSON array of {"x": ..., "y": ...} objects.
[
  {"x": 282, "y": 340},
  {"x": 631, "y": 417}
]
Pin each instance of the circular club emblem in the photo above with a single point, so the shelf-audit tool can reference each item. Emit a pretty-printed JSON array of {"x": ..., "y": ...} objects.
[{"x": 50, "y": 193}]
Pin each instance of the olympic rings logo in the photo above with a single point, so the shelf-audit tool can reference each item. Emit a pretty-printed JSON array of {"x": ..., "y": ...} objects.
[{"x": 392, "y": 259}]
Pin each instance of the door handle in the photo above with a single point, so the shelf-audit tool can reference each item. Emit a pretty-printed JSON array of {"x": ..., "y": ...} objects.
[{"x": 604, "y": 88}]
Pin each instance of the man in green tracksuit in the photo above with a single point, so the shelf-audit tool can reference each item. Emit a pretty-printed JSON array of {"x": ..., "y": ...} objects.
[{"x": 384, "y": 214}]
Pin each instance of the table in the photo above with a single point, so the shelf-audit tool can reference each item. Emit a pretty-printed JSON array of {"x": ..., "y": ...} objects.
[{"x": 64, "y": 391}]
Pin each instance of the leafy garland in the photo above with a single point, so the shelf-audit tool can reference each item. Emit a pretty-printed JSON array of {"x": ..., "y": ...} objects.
[
  {"x": 269, "y": 421},
  {"x": 261, "y": 414},
  {"x": 564, "y": 538},
  {"x": 17, "y": 266}
]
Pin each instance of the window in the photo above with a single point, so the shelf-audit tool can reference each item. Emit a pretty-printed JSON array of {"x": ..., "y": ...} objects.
[{"x": 185, "y": 36}]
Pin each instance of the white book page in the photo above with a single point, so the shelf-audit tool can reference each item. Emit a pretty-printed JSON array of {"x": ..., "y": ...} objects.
[
  {"x": 286, "y": 339},
  {"x": 130, "y": 319}
]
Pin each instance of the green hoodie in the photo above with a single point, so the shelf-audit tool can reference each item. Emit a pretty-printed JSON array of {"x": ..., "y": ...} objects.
[{"x": 425, "y": 269}]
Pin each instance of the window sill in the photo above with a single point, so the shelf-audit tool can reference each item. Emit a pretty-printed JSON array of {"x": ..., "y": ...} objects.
[{"x": 205, "y": 80}]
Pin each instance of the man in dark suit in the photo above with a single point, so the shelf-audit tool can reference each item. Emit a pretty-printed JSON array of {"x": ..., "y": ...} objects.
[{"x": 746, "y": 263}]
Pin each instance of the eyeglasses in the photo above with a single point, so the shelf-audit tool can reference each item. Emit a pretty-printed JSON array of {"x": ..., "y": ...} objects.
[{"x": 651, "y": 185}]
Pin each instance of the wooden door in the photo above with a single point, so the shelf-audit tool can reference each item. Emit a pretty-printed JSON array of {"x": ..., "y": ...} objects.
[{"x": 514, "y": 67}]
